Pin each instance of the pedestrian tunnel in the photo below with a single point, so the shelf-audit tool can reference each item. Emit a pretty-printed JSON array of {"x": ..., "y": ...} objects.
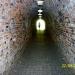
[{"x": 19, "y": 26}]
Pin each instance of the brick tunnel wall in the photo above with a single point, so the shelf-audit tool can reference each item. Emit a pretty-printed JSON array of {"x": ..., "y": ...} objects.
[
  {"x": 14, "y": 30},
  {"x": 63, "y": 26}
]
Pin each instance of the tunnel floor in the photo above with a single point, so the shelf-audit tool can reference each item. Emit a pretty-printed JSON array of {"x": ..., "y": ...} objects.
[{"x": 40, "y": 58}]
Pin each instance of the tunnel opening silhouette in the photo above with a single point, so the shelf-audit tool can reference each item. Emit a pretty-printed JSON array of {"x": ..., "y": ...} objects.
[
  {"x": 25, "y": 49},
  {"x": 40, "y": 25}
]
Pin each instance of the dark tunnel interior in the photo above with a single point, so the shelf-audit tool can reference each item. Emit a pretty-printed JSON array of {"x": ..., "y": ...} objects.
[
  {"x": 43, "y": 51},
  {"x": 25, "y": 50},
  {"x": 48, "y": 31}
]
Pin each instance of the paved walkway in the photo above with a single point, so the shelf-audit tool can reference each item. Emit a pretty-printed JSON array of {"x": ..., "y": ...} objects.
[{"x": 40, "y": 58}]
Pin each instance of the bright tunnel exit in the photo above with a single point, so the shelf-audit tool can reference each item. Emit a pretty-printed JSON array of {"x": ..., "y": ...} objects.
[{"x": 40, "y": 24}]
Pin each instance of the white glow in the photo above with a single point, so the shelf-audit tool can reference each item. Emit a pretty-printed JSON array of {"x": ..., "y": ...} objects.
[
  {"x": 39, "y": 2},
  {"x": 40, "y": 14},
  {"x": 40, "y": 24},
  {"x": 40, "y": 10}
]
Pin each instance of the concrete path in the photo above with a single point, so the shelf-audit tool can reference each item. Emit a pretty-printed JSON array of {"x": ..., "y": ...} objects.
[{"x": 40, "y": 58}]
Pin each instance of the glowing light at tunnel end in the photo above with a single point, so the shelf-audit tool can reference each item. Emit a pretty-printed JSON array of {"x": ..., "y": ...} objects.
[{"x": 40, "y": 24}]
